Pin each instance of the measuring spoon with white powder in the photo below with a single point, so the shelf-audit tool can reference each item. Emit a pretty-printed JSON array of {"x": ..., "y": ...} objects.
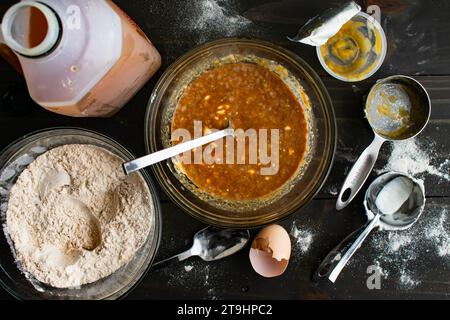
[{"x": 394, "y": 201}]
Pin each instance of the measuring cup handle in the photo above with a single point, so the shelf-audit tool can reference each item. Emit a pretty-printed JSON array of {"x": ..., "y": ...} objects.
[
  {"x": 359, "y": 173},
  {"x": 336, "y": 260}
]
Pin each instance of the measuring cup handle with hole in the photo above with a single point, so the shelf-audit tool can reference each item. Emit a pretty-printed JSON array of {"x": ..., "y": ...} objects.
[
  {"x": 359, "y": 173},
  {"x": 335, "y": 261}
]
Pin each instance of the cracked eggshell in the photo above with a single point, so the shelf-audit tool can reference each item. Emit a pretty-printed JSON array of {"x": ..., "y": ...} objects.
[{"x": 270, "y": 251}]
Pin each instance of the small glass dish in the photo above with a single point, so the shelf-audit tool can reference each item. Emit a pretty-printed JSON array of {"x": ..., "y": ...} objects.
[
  {"x": 13, "y": 160},
  {"x": 322, "y": 128},
  {"x": 372, "y": 63}
]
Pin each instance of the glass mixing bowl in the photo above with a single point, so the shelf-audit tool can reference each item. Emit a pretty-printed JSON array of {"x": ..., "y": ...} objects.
[
  {"x": 322, "y": 126},
  {"x": 13, "y": 160}
]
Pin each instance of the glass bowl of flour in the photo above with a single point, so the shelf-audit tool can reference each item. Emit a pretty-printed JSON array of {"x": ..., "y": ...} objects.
[{"x": 73, "y": 225}]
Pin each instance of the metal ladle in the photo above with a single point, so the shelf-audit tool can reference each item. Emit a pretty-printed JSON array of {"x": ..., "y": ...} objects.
[
  {"x": 210, "y": 244},
  {"x": 402, "y": 219},
  {"x": 397, "y": 108}
]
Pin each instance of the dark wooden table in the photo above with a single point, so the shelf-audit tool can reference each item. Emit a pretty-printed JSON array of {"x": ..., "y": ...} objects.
[{"x": 419, "y": 45}]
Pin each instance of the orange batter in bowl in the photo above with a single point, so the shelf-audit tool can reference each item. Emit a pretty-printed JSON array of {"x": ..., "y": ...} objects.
[{"x": 253, "y": 97}]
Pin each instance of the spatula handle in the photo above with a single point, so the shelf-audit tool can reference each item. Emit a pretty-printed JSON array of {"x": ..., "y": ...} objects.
[{"x": 168, "y": 153}]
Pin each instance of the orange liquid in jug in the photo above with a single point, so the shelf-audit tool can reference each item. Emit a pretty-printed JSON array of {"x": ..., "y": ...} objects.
[
  {"x": 38, "y": 27},
  {"x": 139, "y": 61},
  {"x": 37, "y": 31}
]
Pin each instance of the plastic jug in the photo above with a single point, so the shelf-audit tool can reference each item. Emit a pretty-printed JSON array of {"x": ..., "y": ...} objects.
[{"x": 81, "y": 58}]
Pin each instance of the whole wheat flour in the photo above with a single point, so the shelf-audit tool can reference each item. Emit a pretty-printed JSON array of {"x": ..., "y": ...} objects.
[{"x": 74, "y": 217}]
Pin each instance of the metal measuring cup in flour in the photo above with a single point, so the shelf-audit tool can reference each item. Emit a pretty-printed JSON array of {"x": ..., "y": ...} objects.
[
  {"x": 397, "y": 108},
  {"x": 394, "y": 201}
]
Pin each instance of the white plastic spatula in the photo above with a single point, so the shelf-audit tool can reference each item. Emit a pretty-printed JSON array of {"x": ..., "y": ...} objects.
[{"x": 141, "y": 163}]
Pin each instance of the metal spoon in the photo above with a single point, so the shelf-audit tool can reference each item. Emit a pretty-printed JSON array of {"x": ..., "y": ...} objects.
[
  {"x": 141, "y": 163},
  {"x": 402, "y": 219},
  {"x": 210, "y": 244},
  {"x": 397, "y": 108}
]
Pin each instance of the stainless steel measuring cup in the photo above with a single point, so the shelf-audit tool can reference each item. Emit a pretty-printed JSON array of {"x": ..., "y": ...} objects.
[
  {"x": 397, "y": 108},
  {"x": 402, "y": 219}
]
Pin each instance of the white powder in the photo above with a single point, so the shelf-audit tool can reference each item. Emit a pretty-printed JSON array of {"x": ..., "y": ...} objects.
[
  {"x": 438, "y": 232},
  {"x": 210, "y": 19},
  {"x": 406, "y": 281},
  {"x": 399, "y": 251},
  {"x": 210, "y": 14},
  {"x": 383, "y": 272},
  {"x": 398, "y": 241},
  {"x": 195, "y": 273},
  {"x": 206, "y": 283},
  {"x": 408, "y": 157},
  {"x": 74, "y": 217},
  {"x": 303, "y": 238},
  {"x": 332, "y": 190}
]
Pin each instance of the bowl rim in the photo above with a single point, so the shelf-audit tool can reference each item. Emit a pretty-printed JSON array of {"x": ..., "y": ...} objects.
[
  {"x": 8, "y": 151},
  {"x": 384, "y": 46},
  {"x": 151, "y": 143}
]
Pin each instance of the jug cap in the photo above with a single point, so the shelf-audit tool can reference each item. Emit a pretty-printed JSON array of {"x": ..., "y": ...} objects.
[{"x": 8, "y": 25}]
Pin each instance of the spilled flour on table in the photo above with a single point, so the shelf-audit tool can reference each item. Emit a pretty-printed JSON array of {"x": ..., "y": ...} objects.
[
  {"x": 438, "y": 232},
  {"x": 188, "y": 268},
  {"x": 212, "y": 16},
  {"x": 206, "y": 284},
  {"x": 303, "y": 238},
  {"x": 429, "y": 239},
  {"x": 194, "y": 274},
  {"x": 332, "y": 189},
  {"x": 344, "y": 153},
  {"x": 426, "y": 245},
  {"x": 397, "y": 241},
  {"x": 406, "y": 281},
  {"x": 384, "y": 273},
  {"x": 199, "y": 21},
  {"x": 212, "y": 19},
  {"x": 408, "y": 157}
]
